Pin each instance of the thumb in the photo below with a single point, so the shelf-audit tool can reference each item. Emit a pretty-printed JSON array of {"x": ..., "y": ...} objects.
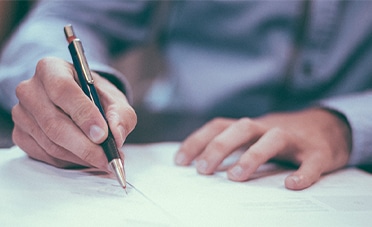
[
  {"x": 122, "y": 121},
  {"x": 89, "y": 119},
  {"x": 308, "y": 173}
]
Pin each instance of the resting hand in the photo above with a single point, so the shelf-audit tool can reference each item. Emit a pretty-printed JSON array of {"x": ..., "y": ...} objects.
[
  {"x": 56, "y": 123},
  {"x": 316, "y": 140}
]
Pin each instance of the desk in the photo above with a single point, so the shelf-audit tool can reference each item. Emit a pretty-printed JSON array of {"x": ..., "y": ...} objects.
[{"x": 36, "y": 194}]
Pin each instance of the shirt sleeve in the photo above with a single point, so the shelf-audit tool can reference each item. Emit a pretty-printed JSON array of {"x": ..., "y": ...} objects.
[
  {"x": 357, "y": 109},
  {"x": 106, "y": 28}
]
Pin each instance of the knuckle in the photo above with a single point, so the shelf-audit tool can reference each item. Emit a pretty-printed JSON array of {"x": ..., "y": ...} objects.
[
  {"x": 255, "y": 154},
  {"x": 34, "y": 131},
  {"x": 57, "y": 96},
  {"x": 278, "y": 131},
  {"x": 279, "y": 134},
  {"x": 22, "y": 90},
  {"x": 16, "y": 136},
  {"x": 54, "y": 151},
  {"x": 246, "y": 124},
  {"x": 190, "y": 148},
  {"x": 131, "y": 119},
  {"x": 191, "y": 141},
  {"x": 84, "y": 112},
  {"x": 87, "y": 153},
  {"x": 48, "y": 72},
  {"x": 53, "y": 128},
  {"x": 218, "y": 146},
  {"x": 15, "y": 113},
  {"x": 58, "y": 92},
  {"x": 43, "y": 64},
  {"x": 126, "y": 117}
]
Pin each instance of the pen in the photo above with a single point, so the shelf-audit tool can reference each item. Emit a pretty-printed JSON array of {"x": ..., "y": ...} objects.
[{"x": 87, "y": 85}]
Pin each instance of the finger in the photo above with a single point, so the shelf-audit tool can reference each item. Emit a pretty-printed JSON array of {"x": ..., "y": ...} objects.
[
  {"x": 241, "y": 132},
  {"x": 120, "y": 115},
  {"x": 197, "y": 141},
  {"x": 65, "y": 93},
  {"x": 309, "y": 172},
  {"x": 32, "y": 148},
  {"x": 57, "y": 126},
  {"x": 122, "y": 122},
  {"x": 26, "y": 125},
  {"x": 271, "y": 143}
]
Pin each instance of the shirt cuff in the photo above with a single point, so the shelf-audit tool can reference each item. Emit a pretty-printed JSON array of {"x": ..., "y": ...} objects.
[{"x": 358, "y": 112}]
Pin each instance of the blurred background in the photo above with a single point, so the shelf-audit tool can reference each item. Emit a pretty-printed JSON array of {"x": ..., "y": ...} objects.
[{"x": 11, "y": 14}]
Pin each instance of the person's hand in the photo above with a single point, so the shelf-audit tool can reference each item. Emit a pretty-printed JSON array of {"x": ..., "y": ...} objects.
[
  {"x": 55, "y": 122},
  {"x": 316, "y": 140}
]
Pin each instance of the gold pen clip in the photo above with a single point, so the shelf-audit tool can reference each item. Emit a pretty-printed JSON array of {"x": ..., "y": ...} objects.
[{"x": 72, "y": 39}]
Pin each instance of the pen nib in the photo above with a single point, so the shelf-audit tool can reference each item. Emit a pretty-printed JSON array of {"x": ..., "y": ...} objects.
[
  {"x": 125, "y": 189},
  {"x": 117, "y": 166}
]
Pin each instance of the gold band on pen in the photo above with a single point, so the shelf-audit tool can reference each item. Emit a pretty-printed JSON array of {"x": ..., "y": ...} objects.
[{"x": 69, "y": 32}]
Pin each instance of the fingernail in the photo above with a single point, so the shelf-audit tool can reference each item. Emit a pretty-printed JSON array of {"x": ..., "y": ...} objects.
[
  {"x": 180, "y": 158},
  {"x": 295, "y": 180},
  {"x": 236, "y": 171},
  {"x": 96, "y": 133},
  {"x": 201, "y": 166}
]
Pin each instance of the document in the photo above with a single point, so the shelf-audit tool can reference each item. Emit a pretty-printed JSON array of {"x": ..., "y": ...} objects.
[{"x": 162, "y": 194}]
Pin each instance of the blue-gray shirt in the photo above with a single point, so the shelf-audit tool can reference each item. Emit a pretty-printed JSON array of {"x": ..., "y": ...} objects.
[{"x": 226, "y": 58}]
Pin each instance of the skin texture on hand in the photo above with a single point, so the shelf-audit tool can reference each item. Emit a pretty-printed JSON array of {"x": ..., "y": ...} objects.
[
  {"x": 316, "y": 140},
  {"x": 55, "y": 122}
]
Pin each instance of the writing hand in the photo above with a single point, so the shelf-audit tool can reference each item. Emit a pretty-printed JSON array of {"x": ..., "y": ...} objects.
[
  {"x": 316, "y": 140},
  {"x": 55, "y": 122}
]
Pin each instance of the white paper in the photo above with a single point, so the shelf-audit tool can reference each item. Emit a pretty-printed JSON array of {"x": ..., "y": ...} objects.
[{"x": 36, "y": 194}]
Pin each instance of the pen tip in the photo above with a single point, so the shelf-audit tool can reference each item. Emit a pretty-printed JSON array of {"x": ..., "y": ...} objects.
[{"x": 125, "y": 189}]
